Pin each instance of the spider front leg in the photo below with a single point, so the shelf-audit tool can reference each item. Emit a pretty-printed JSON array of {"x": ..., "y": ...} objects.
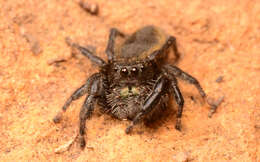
[
  {"x": 86, "y": 52},
  {"x": 87, "y": 109},
  {"x": 179, "y": 99},
  {"x": 76, "y": 95},
  {"x": 111, "y": 42},
  {"x": 149, "y": 103},
  {"x": 173, "y": 70}
]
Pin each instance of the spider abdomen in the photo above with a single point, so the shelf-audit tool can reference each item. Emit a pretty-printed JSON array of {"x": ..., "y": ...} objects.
[{"x": 141, "y": 44}]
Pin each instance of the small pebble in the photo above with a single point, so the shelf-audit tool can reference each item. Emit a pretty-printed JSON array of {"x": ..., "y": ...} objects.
[
  {"x": 181, "y": 157},
  {"x": 91, "y": 8},
  {"x": 193, "y": 99},
  {"x": 66, "y": 146},
  {"x": 34, "y": 43},
  {"x": 219, "y": 79},
  {"x": 214, "y": 105}
]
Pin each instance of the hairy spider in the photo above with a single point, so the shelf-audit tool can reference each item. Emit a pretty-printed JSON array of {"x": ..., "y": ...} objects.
[{"x": 136, "y": 82}]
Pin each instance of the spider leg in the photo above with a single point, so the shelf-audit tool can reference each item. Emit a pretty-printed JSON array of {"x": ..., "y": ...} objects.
[
  {"x": 174, "y": 47},
  {"x": 95, "y": 59},
  {"x": 76, "y": 95},
  {"x": 173, "y": 70},
  {"x": 171, "y": 41},
  {"x": 87, "y": 109},
  {"x": 150, "y": 102},
  {"x": 179, "y": 99},
  {"x": 111, "y": 43}
]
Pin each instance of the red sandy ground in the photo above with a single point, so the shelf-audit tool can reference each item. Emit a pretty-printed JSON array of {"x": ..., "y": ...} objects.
[{"x": 216, "y": 38}]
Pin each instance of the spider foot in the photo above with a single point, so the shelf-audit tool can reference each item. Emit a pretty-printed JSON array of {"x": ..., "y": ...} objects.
[
  {"x": 178, "y": 124},
  {"x": 82, "y": 142},
  {"x": 58, "y": 117},
  {"x": 129, "y": 129}
]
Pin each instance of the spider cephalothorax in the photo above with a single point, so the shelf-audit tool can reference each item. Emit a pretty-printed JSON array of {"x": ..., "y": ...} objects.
[{"x": 136, "y": 82}]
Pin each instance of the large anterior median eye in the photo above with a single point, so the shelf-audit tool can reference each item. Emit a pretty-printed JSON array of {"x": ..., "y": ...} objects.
[
  {"x": 134, "y": 71},
  {"x": 124, "y": 72}
]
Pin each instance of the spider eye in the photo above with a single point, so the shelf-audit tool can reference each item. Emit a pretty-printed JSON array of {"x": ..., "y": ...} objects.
[
  {"x": 134, "y": 71},
  {"x": 124, "y": 72}
]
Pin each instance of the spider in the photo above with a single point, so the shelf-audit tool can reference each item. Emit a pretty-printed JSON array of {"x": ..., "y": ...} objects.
[{"x": 135, "y": 83}]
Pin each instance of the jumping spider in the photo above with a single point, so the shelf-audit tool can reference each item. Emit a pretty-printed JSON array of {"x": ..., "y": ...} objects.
[{"x": 136, "y": 82}]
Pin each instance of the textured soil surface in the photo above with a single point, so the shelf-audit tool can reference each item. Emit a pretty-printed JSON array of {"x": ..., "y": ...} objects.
[{"x": 219, "y": 45}]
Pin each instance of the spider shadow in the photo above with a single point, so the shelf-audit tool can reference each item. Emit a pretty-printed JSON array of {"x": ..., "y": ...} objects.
[
  {"x": 168, "y": 114},
  {"x": 162, "y": 117}
]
